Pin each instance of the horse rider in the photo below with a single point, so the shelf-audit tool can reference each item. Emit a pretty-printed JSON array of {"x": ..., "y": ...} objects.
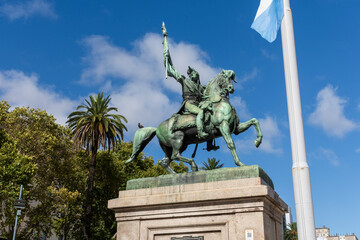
[{"x": 192, "y": 90}]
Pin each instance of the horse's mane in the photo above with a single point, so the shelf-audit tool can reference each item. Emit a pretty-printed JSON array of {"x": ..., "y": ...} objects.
[{"x": 216, "y": 80}]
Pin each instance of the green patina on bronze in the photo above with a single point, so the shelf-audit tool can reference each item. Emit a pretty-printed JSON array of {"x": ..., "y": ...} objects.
[
  {"x": 200, "y": 177},
  {"x": 205, "y": 114}
]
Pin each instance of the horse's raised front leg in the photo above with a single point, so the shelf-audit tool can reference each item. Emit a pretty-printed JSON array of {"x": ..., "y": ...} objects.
[
  {"x": 225, "y": 132},
  {"x": 245, "y": 126}
]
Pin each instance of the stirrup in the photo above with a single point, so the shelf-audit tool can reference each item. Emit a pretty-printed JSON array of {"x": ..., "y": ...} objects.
[{"x": 212, "y": 146}]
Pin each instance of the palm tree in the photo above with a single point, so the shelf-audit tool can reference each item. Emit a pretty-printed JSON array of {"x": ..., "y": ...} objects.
[
  {"x": 290, "y": 232},
  {"x": 95, "y": 127},
  {"x": 211, "y": 164}
]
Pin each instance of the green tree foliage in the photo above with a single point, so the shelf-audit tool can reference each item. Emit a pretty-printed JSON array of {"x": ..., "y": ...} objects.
[
  {"x": 42, "y": 154},
  {"x": 291, "y": 232},
  {"x": 211, "y": 164},
  {"x": 94, "y": 127},
  {"x": 38, "y": 153},
  {"x": 15, "y": 169},
  {"x": 111, "y": 176}
]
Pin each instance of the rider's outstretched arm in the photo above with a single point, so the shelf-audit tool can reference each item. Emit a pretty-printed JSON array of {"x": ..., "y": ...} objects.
[{"x": 170, "y": 69}]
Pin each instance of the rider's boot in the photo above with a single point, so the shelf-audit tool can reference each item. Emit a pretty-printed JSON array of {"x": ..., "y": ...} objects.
[{"x": 200, "y": 125}]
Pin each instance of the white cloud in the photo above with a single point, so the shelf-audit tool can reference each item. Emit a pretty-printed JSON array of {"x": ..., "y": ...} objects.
[
  {"x": 143, "y": 104},
  {"x": 241, "y": 108},
  {"x": 330, "y": 156},
  {"x": 326, "y": 154},
  {"x": 106, "y": 61},
  {"x": 272, "y": 135},
  {"x": 27, "y": 9},
  {"x": 271, "y": 140},
  {"x": 20, "y": 89},
  {"x": 329, "y": 113},
  {"x": 248, "y": 76},
  {"x": 144, "y": 63},
  {"x": 136, "y": 78},
  {"x": 268, "y": 55}
]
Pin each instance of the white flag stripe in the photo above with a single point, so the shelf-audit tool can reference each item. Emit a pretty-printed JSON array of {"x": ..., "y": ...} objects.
[
  {"x": 268, "y": 19},
  {"x": 264, "y": 4}
]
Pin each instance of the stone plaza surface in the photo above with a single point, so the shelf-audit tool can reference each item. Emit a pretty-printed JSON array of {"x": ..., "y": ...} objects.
[{"x": 206, "y": 204}]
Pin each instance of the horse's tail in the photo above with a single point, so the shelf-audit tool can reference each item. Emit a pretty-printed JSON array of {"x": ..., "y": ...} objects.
[{"x": 142, "y": 137}]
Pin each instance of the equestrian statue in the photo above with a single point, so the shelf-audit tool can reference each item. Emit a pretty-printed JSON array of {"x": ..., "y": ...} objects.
[{"x": 205, "y": 114}]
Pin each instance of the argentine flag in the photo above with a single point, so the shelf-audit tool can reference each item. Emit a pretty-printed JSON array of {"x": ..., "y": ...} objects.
[{"x": 268, "y": 18}]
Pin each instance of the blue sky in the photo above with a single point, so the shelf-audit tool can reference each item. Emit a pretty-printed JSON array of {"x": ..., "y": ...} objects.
[{"x": 55, "y": 53}]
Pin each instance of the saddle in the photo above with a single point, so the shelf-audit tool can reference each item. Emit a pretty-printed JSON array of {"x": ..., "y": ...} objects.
[
  {"x": 182, "y": 121},
  {"x": 186, "y": 121}
]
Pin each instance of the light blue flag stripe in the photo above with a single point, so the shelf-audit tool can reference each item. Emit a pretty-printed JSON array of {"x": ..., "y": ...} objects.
[{"x": 267, "y": 24}]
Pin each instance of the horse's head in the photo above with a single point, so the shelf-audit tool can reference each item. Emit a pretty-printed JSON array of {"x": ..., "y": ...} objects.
[
  {"x": 221, "y": 85},
  {"x": 226, "y": 82}
]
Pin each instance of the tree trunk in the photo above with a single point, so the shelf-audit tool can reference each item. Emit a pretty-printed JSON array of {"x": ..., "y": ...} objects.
[{"x": 89, "y": 194}]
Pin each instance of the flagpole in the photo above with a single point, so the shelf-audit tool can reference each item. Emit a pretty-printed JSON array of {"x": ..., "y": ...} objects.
[{"x": 300, "y": 169}]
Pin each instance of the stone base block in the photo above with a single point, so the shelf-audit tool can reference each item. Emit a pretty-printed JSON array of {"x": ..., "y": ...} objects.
[{"x": 239, "y": 209}]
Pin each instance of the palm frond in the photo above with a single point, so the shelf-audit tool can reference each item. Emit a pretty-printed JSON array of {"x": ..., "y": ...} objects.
[
  {"x": 211, "y": 164},
  {"x": 94, "y": 124}
]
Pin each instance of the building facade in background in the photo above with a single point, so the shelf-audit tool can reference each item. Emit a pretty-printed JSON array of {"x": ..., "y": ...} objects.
[{"x": 324, "y": 234}]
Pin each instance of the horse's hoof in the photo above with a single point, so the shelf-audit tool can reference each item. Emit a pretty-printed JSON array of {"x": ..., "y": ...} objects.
[
  {"x": 257, "y": 142},
  {"x": 239, "y": 164},
  {"x": 194, "y": 168},
  {"x": 167, "y": 168}
]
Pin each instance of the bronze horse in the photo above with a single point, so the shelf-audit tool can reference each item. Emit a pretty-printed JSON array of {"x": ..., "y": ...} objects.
[{"x": 177, "y": 132}]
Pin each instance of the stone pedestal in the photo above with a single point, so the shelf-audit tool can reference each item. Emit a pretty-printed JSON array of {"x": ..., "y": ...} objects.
[{"x": 200, "y": 205}]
